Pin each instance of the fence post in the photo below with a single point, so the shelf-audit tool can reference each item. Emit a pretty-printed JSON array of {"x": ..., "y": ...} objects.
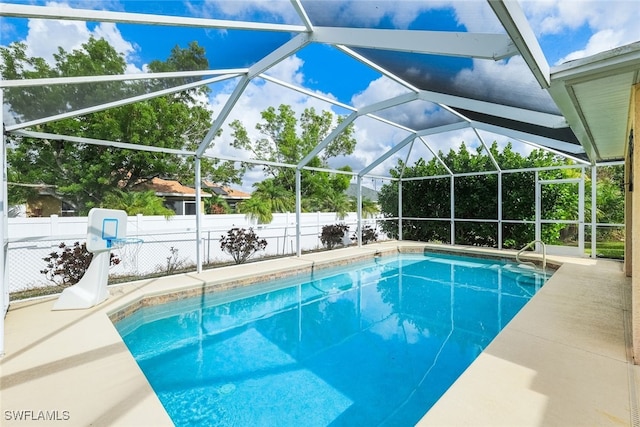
[
  {"x": 318, "y": 230},
  {"x": 139, "y": 221},
  {"x": 54, "y": 225}
]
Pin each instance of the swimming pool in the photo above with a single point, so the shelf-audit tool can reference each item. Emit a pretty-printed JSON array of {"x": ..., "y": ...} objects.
[{"x": 371, "y": 343}]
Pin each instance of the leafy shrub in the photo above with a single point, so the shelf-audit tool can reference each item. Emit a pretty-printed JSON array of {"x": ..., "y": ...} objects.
[
  {"x": 67, "y": 267},
  {"x": 333, "y": 235},
  {"x": 241, "y": 244},
  {"x": 368, "y": 235}
]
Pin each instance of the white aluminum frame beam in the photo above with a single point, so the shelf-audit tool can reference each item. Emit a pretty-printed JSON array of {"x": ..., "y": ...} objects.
[
  {"x": 408, "y": 139},
  {"x": 399, "y": 146},
  {"x": 505, "y": 111},
  {"x": 302, "y": 13},
  {"x": 279, "y": 54},
  {"x": 444, "y": 128},
  {"x": 493, "y": 160},
  {"x": 406, "y": 159},
  {"x": 321, "y": 146},
  {"x": 517, "y": 26},
  {"x": 92, "y": 141},
  {"x": 537, "y": 139},
  {"x": 118, "y": 78},
  {"x": 447, "y": 43},
  {"x": 388, "y": 103},
  {"x": 307, "y": 92},
  {"x": 71, "y": 14},
  {"x": 222, "y": 116},
  {"x": 376, "y": 67},
  {"x": 436, "y": 155},
  {"x": 118, "y": 103},
  {"x": 273, "y": 58},
  {"x": 551, "y": 150}
]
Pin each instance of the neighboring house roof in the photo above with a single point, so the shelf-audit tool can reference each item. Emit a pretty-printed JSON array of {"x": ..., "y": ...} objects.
[
  {"x": 169, "y": 188},
  {"x": 224, "y": 191}
]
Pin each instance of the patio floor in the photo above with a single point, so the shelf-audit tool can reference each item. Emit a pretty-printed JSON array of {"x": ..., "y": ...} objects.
[{"x": 563, "y": 360}]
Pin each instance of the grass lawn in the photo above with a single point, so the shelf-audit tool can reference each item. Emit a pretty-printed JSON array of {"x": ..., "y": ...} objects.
[{"x": 609, "y": 249}]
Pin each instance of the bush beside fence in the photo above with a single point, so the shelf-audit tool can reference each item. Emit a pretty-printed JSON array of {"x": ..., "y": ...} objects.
[{"x": 168, "y": 245}]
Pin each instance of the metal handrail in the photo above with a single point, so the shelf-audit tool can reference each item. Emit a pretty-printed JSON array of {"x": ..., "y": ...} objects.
[{"x": 527, "y": 246}]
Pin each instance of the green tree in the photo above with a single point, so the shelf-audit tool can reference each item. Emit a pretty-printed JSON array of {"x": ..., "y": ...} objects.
[
  {"x": 257, "y": 209},
  {"x": 276, "y": 196},
  {"x": 287, "y": 140},
  {"x": 476, "y": 197},
  {"x": 216, "y": 204},
  {"x": 335, "y": 201},
  {"x": 83, "y": 173},
  {"x": 137, "y": 202},
  {"x": 369, "y": 207}
]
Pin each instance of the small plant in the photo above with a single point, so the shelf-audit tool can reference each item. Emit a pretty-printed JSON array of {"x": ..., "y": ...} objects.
[
  {"x": 241, "y": 244},
  {"x": 368, "y": 235},
  {"x": 68, "y": 266},
  {"x": 173, "y": 263},
  {"x": 333, "y": 235}
]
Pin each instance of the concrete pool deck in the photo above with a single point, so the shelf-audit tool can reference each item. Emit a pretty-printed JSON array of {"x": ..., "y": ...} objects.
[{"x": 563, "y": 360}]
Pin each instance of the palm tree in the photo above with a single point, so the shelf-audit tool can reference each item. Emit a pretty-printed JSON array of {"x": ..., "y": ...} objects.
[
  {"x": 256, "y": 208},
  {"x": 137, "y": 202},
  {"x": 336, "y": 201},
  {"x": 216, "y": 204},
  {"x": 280, "y": 199},
  {"x": 369, "y": 207}
]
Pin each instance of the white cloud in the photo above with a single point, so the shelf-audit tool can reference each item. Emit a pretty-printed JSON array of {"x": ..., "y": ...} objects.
[
  {"x": 476, "y": 16},
  {"x": 378, "y": 90},
  {"x": 606, "y": 24},
  {"x": 279, "y": 10},
  {"x": 600, "y": 42},
  {"x": 257, "y": 97},
  {"x": 488, "y": 79},
  {"x": 288, "y": 70},
  {"x": 45, "y": 36}
]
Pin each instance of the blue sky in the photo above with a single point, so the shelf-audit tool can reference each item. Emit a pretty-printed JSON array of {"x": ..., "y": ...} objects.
[{"x": 566, "y": 29}]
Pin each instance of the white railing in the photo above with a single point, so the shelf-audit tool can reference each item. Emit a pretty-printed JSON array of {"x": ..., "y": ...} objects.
[{"x": 527, "y": 246}]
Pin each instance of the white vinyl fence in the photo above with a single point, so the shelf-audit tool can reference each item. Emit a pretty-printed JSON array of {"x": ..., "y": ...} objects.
[{"x": 167, "y": 244}]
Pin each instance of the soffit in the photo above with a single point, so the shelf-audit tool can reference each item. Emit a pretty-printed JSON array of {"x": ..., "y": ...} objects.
[{"x": 594, "y": 95}]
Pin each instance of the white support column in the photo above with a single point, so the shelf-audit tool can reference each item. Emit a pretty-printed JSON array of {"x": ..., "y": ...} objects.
[
  {"x": 499, "y": 209},
  {"x": 298, "y": 210},
  {"x": 452, "y": 200},
  {"x": 581, "y": 212},
  {"x": 400, "y": 209},
  {"x": 198, "y": 215},
  {"x": 594, "y": 206},
  {"x": 538, "y": 201},
  {"x": 4, "y": 227},
  {"x": 359, "y": 212}
]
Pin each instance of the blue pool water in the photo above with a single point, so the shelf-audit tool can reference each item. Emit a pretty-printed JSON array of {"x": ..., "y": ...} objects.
[{"x": 374, "y": 343}]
